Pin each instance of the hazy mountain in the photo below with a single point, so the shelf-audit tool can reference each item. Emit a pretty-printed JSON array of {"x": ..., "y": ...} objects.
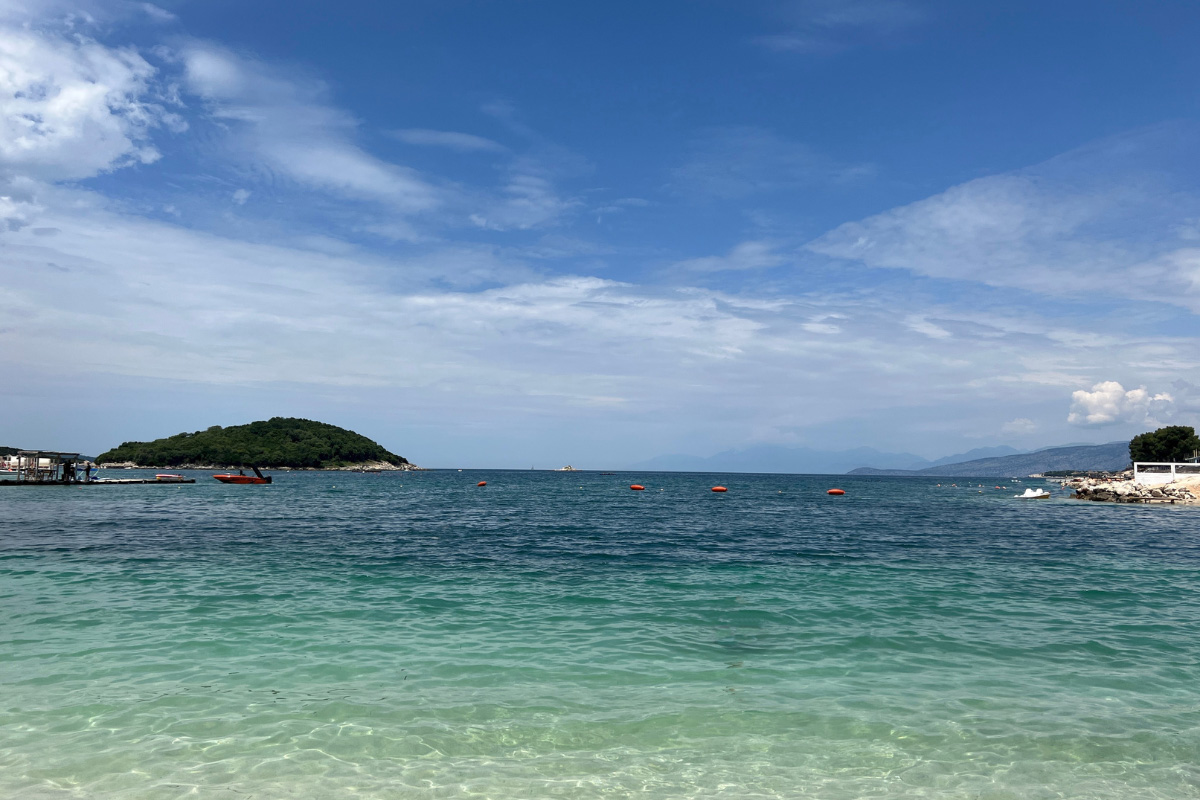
[
  {"x": 777, "y": 458},
  {"x": 994, "y": 461},
  {"x": 1111, "y": 456},
  {"x": 977, "y": 453}
]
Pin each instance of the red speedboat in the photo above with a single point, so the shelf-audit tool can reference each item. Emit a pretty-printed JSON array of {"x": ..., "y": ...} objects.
[{"x": 242, "y": 477}]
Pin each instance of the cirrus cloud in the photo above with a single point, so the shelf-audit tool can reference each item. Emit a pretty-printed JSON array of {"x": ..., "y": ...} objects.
[{"x": 288, "y": 127}]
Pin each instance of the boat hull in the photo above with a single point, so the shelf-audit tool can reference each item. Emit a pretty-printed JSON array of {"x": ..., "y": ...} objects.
[{"x": 241, "y": 479}]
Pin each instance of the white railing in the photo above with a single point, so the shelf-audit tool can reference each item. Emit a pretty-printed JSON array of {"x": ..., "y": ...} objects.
[{"x": 1156, "y": 473}]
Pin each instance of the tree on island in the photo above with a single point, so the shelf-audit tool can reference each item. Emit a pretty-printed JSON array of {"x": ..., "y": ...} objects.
[
  {"x": 277, "y": 442},
  {"x": 1172, "y": 443}
]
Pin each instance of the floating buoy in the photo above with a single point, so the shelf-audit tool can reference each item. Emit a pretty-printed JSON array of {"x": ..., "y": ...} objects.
[
  {"x": 720, "y": 489},
  {"x": 482, "y": 483},
  {"x": 836, "y": 491},
  {"x": 637, "y": 487}
]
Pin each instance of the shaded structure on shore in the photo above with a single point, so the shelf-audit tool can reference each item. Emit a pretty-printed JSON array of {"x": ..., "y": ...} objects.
[
  {"x": 47, "y": 467},
  {"x": 52, "y": 468}
]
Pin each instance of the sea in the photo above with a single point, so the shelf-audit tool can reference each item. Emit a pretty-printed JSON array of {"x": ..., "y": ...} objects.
[{"x": 551, "y": 634}]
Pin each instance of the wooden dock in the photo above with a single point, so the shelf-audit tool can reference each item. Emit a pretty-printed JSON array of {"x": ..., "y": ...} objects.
[{"x": 102, "y": 482}]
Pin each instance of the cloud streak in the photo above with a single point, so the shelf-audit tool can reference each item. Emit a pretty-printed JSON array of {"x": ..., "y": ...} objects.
[
  {"x": 823, "y": 27},
  {"x": 451, "y": 140},
  {"x": 160, "y": 302},
  {"x": 1081, "y": 226},
  {"x": 744, "y": 256},
  {"x": 741, "y": 161},
  {"x": 289, "y": 127}
]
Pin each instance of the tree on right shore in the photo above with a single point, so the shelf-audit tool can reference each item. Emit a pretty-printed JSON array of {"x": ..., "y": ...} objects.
[{"x": 1172, "y": 443}]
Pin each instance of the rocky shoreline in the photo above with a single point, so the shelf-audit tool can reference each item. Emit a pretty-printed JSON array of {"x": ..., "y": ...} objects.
[
  {"x": 365, "y": 466},
  {"x": 1121, "y": 488}
]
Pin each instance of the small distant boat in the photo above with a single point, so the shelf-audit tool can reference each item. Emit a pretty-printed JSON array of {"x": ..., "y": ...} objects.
[
  {"x": 165, "y": 477},
  {"x": 243, "y": 478},
  {"x": 1033, "y": 494}
]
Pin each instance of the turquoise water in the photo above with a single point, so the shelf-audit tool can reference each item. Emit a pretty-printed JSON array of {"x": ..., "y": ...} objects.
[{"x": 556, "y": 635}]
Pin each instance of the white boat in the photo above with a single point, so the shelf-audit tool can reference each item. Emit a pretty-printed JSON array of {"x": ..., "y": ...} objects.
[{"x": 1033, "y": 494}]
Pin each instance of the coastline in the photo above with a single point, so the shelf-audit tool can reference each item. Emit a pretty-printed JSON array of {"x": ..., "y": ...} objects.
[{"x": 1121, "y": 488}]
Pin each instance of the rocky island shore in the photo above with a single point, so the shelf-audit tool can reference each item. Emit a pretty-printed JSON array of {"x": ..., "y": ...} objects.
[{"x": 1121, "y": 488}]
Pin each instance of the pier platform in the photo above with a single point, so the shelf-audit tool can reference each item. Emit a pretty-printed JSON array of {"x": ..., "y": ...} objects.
[{"x": 101, "y": 482}]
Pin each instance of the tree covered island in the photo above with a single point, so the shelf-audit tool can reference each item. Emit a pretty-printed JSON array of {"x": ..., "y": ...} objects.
[{"x": 280, "y": 442}]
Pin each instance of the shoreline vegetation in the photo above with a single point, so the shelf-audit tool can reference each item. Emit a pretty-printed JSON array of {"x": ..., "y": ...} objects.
[
  {"x": 364, "y": 466},
  {"x": 277, "y": 443}
]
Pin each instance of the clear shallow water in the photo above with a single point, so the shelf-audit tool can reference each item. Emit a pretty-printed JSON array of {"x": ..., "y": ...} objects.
[{"x": 556, "y": 635}]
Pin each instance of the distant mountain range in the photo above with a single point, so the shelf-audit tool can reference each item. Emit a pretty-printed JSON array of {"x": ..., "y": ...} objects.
[
  {"x": 1001, "y": 461},
  {"x": 805, "y": 460},
  {"x": 1111, "y": 456}
]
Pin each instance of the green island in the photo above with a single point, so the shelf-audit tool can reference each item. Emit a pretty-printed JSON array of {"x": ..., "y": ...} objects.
[{"x": 280, "y": 442}]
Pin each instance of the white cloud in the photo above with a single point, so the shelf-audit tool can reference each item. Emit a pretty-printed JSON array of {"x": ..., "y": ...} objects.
[
  {"x": 1102, "y": 221},
  {"x": 72, "y": 108},
  {"x": 998, "y": 230},
  {"x": 240, "y": 196},
  {"x": 823, "y": 325},
  {"x": 451, "y": 140},
  {"x": 740, "y": 161},
  {"x": 289, "y": 128},
  {"x": 924, "y": 326},
  {"x": 821, "y": 27},
  {"x": 162, "y": 302},
  {"x": 1019, "y": 426},
  {"x": 284, "y": 127},
  {"x": 747, "y": 255},
  {"x": 529, "y": 198},
  {"x": 337, "y": 315},
  {"x": 1108, "y": 403},
  {"x": 620, "y": 206},
  {"x": 158, "y": 14}
]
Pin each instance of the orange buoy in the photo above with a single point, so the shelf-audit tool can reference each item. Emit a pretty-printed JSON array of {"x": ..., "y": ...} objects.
[
  {"x": 637, "y": 487},
  {"x": 836, "y": 491},
  {"x": 482, "y": 483},
  {"x": 720, "y": 489}
]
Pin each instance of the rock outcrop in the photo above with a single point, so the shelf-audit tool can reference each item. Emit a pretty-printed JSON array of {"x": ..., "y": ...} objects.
[{"x": 1123, "y": 489}]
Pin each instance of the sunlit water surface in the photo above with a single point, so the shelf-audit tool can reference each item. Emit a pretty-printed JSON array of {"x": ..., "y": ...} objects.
[{"x": 557, "y": 635}]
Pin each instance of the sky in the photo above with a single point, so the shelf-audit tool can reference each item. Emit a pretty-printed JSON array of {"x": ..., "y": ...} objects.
[{"x": 535, "y": 233}]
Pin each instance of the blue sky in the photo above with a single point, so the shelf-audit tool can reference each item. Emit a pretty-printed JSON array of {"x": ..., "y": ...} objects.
[{"x": 503, "y": 234}]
